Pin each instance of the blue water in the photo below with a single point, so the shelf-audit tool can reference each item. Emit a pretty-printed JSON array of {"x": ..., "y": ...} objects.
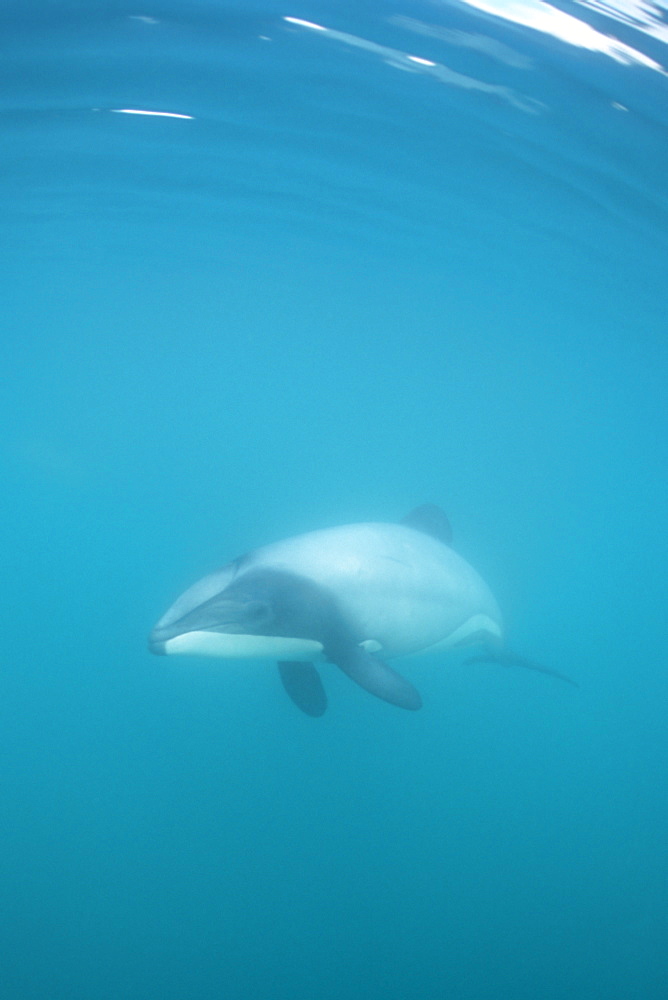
[{"x": 347, "y": 284}]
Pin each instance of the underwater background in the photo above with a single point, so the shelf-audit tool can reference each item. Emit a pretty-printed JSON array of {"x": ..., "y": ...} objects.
[{"x": 362, "y": 256}]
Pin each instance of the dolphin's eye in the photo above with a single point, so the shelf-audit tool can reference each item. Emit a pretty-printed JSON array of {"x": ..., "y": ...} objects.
[{"x": 256, "y": 613}]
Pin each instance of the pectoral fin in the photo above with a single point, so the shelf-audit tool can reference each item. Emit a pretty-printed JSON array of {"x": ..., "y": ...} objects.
[
  {"x": 377, "y": 678},
  {"x": 302, "y": 683}
]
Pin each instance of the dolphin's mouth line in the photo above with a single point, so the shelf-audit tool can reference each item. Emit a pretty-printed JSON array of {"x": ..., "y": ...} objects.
[
  {"x": 160, "y": 636},
  {"x": 238, "y": 646}
]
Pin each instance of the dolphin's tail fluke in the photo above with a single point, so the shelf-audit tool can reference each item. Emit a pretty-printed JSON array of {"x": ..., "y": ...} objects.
[{"x": 505, "y": 657}]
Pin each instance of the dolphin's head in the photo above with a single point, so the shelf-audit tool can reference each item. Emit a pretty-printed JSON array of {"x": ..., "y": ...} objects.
[
  {"x": 222, "y": 614},
  {"x": 249, "y": 614},
  {"x": 221, "y": 604}
]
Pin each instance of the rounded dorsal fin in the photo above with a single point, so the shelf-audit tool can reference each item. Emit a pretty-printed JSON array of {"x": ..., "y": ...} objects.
[{"x": 431, "y": 520}]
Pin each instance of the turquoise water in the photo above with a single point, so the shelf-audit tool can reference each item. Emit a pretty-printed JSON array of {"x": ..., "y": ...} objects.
[{"x": 348, "y": 283}]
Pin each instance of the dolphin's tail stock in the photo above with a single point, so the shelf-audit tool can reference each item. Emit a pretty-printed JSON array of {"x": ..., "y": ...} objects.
[{"x": 506, "y": 658}]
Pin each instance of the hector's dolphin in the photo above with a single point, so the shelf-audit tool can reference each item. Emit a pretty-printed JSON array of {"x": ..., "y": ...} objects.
[{"x": 353, "y": 596}]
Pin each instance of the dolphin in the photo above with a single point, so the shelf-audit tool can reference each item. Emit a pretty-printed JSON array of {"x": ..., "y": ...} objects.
[{"x": 355, "y": 596}]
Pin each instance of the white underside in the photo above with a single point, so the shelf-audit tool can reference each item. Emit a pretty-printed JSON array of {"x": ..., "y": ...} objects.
[
  {"x": 247, "y": 647},
  {"x": 244, "y": 647}
]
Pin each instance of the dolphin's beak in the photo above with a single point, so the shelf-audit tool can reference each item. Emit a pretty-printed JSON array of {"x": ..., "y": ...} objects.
[
  {"x": 160, "y": 635},
  {"x": 156, "y": 645}
]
